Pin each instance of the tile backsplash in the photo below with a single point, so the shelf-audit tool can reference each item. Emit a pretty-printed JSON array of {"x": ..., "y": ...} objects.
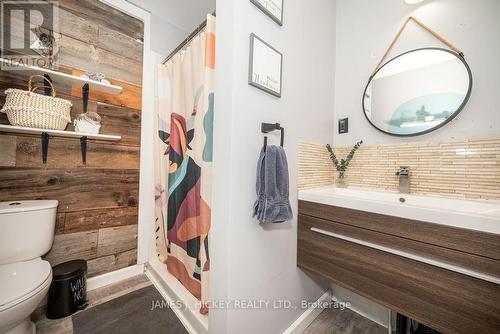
[
  {"x": 315, "y": 167},
  {"x": 456, "y": 168}
]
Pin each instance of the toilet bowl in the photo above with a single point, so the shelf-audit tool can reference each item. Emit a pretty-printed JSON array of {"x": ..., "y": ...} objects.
[
  {"x": 27, "y": 233},
  {"x": 22, "y": 287}
]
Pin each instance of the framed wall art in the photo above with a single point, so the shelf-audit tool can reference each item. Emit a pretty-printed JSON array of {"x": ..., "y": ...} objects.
[
  {"x": 272, "y": 8},
  {"x": 265, "y": 66}
]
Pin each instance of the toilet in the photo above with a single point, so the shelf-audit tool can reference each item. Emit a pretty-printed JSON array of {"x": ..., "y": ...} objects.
[{"x": 26, "y": 233}]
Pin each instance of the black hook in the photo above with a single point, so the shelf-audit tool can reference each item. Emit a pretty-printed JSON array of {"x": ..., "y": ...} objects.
[{"x": 269, "y": 127}]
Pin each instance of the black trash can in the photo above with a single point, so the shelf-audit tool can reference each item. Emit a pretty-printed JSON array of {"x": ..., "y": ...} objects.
[{"x": 68, "y": 291}]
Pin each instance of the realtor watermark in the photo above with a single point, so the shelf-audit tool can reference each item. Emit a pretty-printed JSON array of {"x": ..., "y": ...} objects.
[
  {"x": 247, "y": 304},
  {"x": 28, "y": 33}
]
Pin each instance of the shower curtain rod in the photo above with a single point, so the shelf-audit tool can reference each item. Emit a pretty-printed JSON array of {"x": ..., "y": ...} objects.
[{"x": 187, "y": 40}]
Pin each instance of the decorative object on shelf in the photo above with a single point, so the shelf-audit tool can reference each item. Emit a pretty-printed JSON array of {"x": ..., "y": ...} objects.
[
  {"x": 272, "y": 8},
  {"x": 29, "y": 109},
  {"x": 87, "y": 122},
  {"x": 265, "y": 68},
  {"x": 342, "y": 165},
  {"x": 45, "y": 45},
  {"x": 95, "y": 76}
]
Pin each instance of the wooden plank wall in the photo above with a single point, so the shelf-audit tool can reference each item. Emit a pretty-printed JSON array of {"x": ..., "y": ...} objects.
[{"x": 97, "y": 214}]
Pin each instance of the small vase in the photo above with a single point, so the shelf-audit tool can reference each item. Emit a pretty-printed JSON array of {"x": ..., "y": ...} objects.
[{"x": 341, "y": 182}]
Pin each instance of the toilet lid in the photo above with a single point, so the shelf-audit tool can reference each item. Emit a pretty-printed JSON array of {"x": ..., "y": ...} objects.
[{"x": 21, "y": 278}]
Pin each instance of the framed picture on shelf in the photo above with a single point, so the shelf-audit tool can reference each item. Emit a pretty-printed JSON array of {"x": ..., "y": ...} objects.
[
  {"x": 265, "y": 66},
  {"x": 272, "y": 8}
]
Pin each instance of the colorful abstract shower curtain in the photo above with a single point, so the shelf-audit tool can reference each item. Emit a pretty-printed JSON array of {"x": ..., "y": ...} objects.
[{"x": 183, "y": 166}]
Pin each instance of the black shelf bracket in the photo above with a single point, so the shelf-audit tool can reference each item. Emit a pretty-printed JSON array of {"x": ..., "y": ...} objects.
[
  {"x": 46, "y": 89},
  {"x": 84, "y": 139},
  {"x": 85, "y": 96},
  {"x": 45, "y": 137},
  {"x": 45, "y": 146},
  {"x": 83, "y": 146}
]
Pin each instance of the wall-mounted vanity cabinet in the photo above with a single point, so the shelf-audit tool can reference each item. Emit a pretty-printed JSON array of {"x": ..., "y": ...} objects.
[{"x": 443, "y": 276}]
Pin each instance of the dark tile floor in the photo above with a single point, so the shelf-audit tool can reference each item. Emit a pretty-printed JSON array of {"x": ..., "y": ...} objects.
[
  {"x": 95, "y": 297},
  {"x": 141, "y": 311},
  {"x": 330, "y": 321}
]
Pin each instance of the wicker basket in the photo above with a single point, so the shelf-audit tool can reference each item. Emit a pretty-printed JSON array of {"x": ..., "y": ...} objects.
[{"x": 29, "y": 109}]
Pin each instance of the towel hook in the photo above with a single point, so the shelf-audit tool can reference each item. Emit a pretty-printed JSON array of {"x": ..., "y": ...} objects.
[{"x": 269, "y": 127}]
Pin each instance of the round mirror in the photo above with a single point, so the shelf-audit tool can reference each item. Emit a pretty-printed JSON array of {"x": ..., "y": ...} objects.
[{"x": 417, "y": 92}]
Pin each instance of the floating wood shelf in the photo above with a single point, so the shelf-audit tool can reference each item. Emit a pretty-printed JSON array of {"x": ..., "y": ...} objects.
[
  {"x": 12, "y": 66},
  {"x": 47, "y": 133},
  {"x": 57, "y": 133}
]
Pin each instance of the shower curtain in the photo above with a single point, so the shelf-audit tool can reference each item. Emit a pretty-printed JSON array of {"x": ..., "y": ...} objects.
[{"x": 183, "y": 166}]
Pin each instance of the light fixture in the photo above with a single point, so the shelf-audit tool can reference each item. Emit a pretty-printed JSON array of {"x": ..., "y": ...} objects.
[{"x": 413, "y": 2}]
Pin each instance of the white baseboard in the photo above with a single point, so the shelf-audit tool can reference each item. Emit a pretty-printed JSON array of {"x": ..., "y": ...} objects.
[
  {"x": 114, "y": 276},
  {"x": 186, "y": 318},
  {"x": 364, "y": 314},
  {"x": 305, "y": 319},
  {"x": 361, "y": 305}
]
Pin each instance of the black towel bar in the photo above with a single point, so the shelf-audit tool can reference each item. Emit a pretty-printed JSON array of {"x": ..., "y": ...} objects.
[{"x": 269, "y": 127}]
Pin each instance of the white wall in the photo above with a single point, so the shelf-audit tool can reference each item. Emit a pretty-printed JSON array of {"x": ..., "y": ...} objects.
[
  {"x": 365, "y": 29},
  {"x": 185, "y": 14},
  {"x": 166, "y": 36},
  {"x": 249, "y": 261},
  {"x": 173, "y": 20}
]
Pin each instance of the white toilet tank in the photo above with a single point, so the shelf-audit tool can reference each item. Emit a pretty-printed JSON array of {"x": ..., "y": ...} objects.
[{"x": 26, "y": 229}]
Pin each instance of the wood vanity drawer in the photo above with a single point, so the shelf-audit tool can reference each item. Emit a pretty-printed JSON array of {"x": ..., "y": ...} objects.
[
  {"x": 445, "y": 300},
  {"x": 445, "y": 255},
  {"x": 463, "y": 240}
]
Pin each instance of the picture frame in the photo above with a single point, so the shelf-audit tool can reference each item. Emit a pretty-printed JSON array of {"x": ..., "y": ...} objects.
[
  {"x": 265, "y": 69},
  {"x": 272, "y": 8}
]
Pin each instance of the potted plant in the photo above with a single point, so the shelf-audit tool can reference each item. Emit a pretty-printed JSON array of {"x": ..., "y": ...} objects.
[{"x": 342, "y": 165}]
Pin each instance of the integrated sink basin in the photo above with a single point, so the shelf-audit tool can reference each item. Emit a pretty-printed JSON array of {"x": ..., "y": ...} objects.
[{"x": 470, "y": 214}]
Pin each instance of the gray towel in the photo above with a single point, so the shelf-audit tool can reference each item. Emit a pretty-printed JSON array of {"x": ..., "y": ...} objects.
[{"x": 272, "y": 204}]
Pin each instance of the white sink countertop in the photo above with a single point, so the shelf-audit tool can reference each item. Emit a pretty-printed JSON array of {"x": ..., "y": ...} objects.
[{"x": 470, "y": 214}]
